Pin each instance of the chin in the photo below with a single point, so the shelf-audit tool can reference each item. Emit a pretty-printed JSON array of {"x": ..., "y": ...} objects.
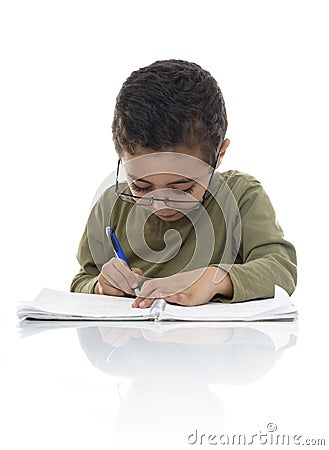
[{"x": 170, "y": 217}]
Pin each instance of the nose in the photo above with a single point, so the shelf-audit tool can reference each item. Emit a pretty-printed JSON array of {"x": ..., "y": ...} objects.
[{"x": 159, "y": 204}]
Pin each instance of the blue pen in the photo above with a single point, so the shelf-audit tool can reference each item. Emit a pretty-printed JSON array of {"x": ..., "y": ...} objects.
[{"x": 118, "y": 250}]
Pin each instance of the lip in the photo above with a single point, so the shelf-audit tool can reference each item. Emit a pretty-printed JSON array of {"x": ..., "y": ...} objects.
[{"x": 166, "y": 216}]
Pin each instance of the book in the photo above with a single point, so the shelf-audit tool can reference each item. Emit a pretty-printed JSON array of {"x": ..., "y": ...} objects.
[{"x": 59, "y": 305}]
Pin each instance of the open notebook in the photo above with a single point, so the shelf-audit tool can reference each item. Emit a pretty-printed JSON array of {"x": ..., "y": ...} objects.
[{"x": 58, "y": 305}]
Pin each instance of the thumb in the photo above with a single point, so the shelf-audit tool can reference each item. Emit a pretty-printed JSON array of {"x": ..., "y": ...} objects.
[{"x": 137, "y": 271}]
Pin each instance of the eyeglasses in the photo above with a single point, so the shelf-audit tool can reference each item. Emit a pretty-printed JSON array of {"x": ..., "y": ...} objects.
[{"x": 173, "y": 202}]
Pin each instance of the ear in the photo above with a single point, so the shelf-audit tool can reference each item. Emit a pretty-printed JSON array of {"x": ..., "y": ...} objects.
[{"x": 222, "y": 151}]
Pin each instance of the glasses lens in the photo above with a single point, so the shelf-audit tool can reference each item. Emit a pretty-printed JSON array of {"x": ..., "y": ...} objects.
[
  {"x": 126, "y": 198},
  {"x": 141, "y": 201},
  {"x": 183, "y": 206},
  {"x": 178, "y": 199}
]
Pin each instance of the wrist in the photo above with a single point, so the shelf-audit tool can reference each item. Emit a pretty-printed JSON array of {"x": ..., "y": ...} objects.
[
  {"x": 219, "y": 282},
  {"x": 96, "y": 288}
]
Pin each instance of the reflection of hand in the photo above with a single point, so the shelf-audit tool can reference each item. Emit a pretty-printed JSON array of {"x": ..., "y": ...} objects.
[
  {"x": 117, "y": 279},
  {"x": 118, "y": 336},
  {"x": 192, "y": 288},
  {"x": 200, "y": 335}
]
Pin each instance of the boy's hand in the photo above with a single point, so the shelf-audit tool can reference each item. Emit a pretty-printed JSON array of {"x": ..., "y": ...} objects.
[
  {"x": 117, "y": 279},
  {"x": 187, "y": 288},
  {"x": 118, "y": 336}
]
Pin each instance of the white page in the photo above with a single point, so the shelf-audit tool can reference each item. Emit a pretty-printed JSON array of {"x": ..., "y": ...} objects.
[
  {"x": 68, "y": 304},
  {"x": 279, "y": 306}
]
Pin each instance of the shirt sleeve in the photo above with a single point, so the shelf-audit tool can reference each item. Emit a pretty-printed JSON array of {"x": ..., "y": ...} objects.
[
  {"x": 86, "y": 279},
  {"x": 91, "y": 253},
  {"x": 267, "y": 258}
]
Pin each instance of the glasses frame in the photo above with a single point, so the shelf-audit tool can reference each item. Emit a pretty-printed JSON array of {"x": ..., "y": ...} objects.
[{"x": 197, "y": 203}]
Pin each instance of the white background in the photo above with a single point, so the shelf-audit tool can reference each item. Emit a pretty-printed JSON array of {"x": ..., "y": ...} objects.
[{"x": 62, "y": 65}]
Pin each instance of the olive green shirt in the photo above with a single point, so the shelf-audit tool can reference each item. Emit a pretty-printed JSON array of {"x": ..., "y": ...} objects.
[{"x": 236, "y": 229}]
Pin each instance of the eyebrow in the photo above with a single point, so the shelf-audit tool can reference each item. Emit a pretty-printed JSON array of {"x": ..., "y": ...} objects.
[{"x": 180, "y": 181}]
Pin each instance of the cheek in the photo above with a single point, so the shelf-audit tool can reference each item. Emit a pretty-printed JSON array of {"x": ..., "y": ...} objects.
[{"x": 198, "y": 192}]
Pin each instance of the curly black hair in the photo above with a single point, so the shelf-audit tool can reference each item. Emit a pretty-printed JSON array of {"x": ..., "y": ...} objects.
[{"x": 170, "y": 103}]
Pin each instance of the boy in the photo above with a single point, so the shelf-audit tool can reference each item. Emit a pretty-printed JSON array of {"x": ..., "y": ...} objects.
[{"x": 190, "y": 234}]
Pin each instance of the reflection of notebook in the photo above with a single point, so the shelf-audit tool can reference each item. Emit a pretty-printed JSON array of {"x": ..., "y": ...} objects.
[
  {"x": 58, "y": 305},
  {"x": 282, "y": 332}
]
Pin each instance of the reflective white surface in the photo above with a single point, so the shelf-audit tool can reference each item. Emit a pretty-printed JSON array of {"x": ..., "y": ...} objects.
[{"x": 128, "y": 388}]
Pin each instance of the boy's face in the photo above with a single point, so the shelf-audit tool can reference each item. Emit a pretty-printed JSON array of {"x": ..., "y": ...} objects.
[{"x": 174, "y": 175}]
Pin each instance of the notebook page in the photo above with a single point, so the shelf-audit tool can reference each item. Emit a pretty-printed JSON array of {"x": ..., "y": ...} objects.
[
  {"x": 68, "y": 304},
  {"x": 275, "y": 307}
]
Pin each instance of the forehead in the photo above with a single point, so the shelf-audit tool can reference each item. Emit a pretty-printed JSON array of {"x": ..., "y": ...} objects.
[{"x": 169, "y": 163}]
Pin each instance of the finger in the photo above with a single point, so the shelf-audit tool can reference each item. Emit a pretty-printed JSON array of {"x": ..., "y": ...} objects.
[
  {"x": 146, "y": 301},
  {"x": 154, "y": 289},
  {"x": 120, "y": 279},
  {"x": 108, "y": 279},
  {"x": 137, "y": 271},
  {"x": 131, "y": 277},
  {"x": 141, "y": 302},
  {"x": 136, "y": 302},
  {"x": 106, "y": 289},
  {"x": 115, "y": 277},
  {"x": 114, "y": 292}
]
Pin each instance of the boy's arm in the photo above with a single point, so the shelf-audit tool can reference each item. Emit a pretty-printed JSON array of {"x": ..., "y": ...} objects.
[
  {"x": 267, "y": 258},
  {"x": 86, "y": 279},
  {"x": 91, "y": 259}
]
